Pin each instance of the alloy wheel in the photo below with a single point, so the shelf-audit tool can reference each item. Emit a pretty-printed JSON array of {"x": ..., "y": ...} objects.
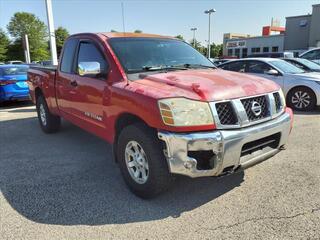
[
  {"x": 137, "y": 162},
  {"x": 301, "y": 99}
]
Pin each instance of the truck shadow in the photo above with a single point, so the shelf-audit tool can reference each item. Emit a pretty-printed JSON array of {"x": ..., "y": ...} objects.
[
  {"x": 69, "y": 178},
  {"x": 15, "y": 104}
]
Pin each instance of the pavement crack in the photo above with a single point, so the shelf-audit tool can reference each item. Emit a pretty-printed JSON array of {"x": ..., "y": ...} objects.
[{"x": 259, "y": 219}]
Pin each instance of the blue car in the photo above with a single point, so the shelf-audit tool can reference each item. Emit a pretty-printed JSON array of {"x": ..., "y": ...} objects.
[{"x": 13, "y": 82}]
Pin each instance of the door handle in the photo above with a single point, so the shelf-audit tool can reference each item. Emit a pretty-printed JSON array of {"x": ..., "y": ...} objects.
[{"x": 74, "y": 83}]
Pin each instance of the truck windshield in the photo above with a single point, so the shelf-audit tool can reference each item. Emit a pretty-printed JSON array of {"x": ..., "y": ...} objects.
[{"x": 154, "y": 54}]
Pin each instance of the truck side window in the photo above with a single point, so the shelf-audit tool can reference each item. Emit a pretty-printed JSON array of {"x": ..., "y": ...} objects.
[
  {"x": 88, "y": 52},
  {"x": 68, "y": 54}
]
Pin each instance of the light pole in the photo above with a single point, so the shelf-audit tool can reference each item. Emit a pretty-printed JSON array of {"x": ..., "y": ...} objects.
[
  {"x": 194, "y": 36},
  {"x": 52, "y": 38},
  {"x": 209, "y": 13}
]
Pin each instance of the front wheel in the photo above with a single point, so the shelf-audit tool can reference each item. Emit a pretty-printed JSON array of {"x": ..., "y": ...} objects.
[
  {"x": 142, "y": 162},
  {"x": 301, "y": 99}
]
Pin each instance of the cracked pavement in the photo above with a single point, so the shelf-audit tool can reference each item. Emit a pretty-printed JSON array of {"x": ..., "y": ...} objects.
[{"x": 66, "y": 186}]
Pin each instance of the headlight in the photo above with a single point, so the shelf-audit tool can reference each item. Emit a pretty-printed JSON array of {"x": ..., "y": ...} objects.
[
  {"x": 283, "y": 99},
  {"x": 185, "y": 112}
]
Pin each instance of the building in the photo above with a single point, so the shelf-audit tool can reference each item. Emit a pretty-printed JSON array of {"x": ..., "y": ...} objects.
[
  {"x": 303, "y": 32},
  {"x": 254, "y": 45},
  {"x": 229, "y": 36},
  {"x": 242, "y": 45}
]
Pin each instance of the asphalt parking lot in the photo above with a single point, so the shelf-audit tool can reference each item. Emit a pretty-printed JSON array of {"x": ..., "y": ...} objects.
[{"x": 66, "y": 186}]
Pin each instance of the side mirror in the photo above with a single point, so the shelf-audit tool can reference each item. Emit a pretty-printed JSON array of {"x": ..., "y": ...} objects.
[
  {"x": 272, "y": 72},
  {"x": 89, "y": 68}
]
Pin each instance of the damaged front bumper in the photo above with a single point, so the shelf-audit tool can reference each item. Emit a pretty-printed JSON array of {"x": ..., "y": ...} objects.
[{"x": 224, "y": 151}]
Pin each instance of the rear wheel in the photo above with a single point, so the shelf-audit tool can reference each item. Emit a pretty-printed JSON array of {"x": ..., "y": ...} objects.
[
  {"x": 301, "y": 99},
  {"x": 49, "y": 123},
  {"x": 142, "y": 162}
]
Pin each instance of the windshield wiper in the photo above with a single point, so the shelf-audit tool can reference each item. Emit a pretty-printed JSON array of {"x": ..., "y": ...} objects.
[
  {"x": 188, "y": 65},
  {"x": 156, "y": 68}
]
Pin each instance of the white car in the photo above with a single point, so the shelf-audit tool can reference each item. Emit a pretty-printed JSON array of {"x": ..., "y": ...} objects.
[
  {"x": 313, "y": 55},
  {"x": 302, "y": 89},
  {"x": 15, "y": 62}
]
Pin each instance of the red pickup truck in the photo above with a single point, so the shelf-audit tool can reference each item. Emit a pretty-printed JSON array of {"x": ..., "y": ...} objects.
[{"x": 165, "y": 107}]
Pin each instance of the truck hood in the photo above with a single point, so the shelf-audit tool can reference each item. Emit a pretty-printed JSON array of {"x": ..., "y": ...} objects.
[{"x": 204, "y": 84}]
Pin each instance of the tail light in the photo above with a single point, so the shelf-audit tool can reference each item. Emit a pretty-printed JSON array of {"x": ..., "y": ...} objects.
[{"x": 7, "y": 82}]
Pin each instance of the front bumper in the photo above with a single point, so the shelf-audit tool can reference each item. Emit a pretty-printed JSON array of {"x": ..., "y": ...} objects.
[{"x": 227, "y": 147}]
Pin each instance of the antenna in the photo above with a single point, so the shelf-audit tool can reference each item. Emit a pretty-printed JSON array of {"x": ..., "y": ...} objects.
[{"x": 123, "y": 27}]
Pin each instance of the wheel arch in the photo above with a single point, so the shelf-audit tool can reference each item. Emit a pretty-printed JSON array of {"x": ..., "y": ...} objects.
[
  {"x": 37, "y": 92},
  {"x": 123, "y": 120}
]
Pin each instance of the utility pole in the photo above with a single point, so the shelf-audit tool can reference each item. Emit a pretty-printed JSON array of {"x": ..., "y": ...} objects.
[
  {"x": 194, "y": 36},
  {"x": 52, "y": 37},
  {"x": 209, "y": 43},
  {"x": 25, "y": 43}
]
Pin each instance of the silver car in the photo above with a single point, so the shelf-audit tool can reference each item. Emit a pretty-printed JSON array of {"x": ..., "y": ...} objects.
[
  {"x": 312, "y": 55},
  {"x": 302, "y": 89}
]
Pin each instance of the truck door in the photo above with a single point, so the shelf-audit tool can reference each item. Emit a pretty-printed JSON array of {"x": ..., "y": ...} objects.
[
  {"x": 90, "y": 89},
  {"x": 65, "y": 77},
  {"x": 260, "y": 69}
]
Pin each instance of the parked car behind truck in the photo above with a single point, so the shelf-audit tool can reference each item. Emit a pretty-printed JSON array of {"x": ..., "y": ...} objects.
[
  {"x": 13, "y": 82},
  {"x": 302, "y": 89},
  {"x": 163, "y": 106},
  {"x": 312, "y": 55}
]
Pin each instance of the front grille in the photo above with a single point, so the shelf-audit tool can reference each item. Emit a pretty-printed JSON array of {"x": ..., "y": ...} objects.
[
  {"x": 277, "y": 101},
  {"x": 226, "y": 113},
  {"x": 248, "y": 105},
  {"x": 270, "y": 141}
]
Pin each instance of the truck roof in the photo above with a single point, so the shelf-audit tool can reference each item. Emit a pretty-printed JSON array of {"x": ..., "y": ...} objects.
[{"x": 125, "y": 35}]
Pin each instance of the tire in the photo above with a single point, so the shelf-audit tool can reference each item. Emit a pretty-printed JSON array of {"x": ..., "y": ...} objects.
[
  {"x": 307, "y": 98},
  {"x": 142, "y": 140},
  {"x": 49, "y": 123}
]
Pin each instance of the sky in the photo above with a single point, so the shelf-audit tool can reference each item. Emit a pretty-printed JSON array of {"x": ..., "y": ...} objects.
[{"x": 161, "y": 17}]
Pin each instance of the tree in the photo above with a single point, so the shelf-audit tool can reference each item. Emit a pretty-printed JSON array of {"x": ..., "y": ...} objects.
[
  {"x": 26, "y": 23},
  {"x": 180, "y": 37},
  {"x": 137, "y": 31},
  {"x": 61, "y": 35},
  {"x": 4, "y": 44},
  {"x": 216, "y": 50},
  {"x": 114, "y": 31}
]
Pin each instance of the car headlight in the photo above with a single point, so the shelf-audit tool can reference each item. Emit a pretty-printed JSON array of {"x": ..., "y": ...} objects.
[
  {"x": 283, "y": 98},
  {"x": 185, "y": 112}
]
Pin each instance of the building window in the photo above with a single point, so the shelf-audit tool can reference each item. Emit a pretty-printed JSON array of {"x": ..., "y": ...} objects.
[
  {"x": 230, "y": 52},
  {"x": 255, "y": 50},
  {"x": 244, "y": 52},
  {"x": 237, "y": 52},
  {"x": 275, "y": 49},
  {"x": 266, "y": 49}
]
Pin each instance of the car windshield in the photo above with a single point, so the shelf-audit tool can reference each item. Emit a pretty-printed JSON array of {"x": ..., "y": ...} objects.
[
  {"x": 14, "y": 70},
  {"x": 286, "y": 67},
  {"x": 309, "y": 64},
  {"x": 153, "y": 54}
]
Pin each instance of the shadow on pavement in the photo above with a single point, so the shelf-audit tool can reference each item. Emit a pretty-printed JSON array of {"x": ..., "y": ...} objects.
[
  {"x": 69, "y": 178},
  {"x": 314, "y": 112},
  {"x": 15, "y": 104}
]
